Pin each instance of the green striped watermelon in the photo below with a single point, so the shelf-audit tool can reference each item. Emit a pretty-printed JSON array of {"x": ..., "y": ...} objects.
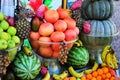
[
  {"x": 26, "y": 67},
  {"x": 78, "y": 57}
]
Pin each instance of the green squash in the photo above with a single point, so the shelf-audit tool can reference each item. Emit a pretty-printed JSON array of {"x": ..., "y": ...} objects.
[
  {"x": 101, "y": 34},
  {"x": 97, "y": 9},
  {"x": 78, "y": 57},
  {"x": 26, "y": 67}
]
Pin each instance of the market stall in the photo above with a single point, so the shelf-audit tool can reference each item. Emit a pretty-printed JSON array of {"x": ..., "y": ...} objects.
[{"x": 57, "y": 40}]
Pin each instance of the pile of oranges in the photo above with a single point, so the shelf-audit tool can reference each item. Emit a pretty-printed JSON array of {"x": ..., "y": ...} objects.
[{"x": 104, "y": 73}]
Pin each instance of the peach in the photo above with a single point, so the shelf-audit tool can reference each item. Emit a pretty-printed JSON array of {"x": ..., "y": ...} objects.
[
  {"x": 76, "y": 30},
  {"x": 34, "y": 35},
  {"x": 70, "y": 34},
  {"x": 46, "y": 29},
  {"x": 57, "y": 36},
  {"x": 55, "y": 54},
  {"x": 63, "y": 13},
  {"x": 45, "y": 52},
  {"x": 60, "y": 25},
  {"x": 44, "y": 39},
  {"x": 71, "y": 23}
]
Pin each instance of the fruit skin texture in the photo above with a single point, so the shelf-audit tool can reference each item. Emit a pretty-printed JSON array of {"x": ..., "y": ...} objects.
[
  {"x": 11, "y": 30},
  {"x": 34, "y": 35},
  {"x": 71, "y": 23},
  {"x": 34, "y": 44},
  {"x": 11, "y": 44},
  {"x": 45, "y": 52},
  {"x": 16, "y": 39},
  {"x": 35, "y": 24},
  {"x": 70, "y": 34},
  {"x": 44, "y": 39},
  {"x": 4, "y": 25},
  {"x": 46, "y": 29},
  {"x": 57, "y": 36},
  {"x": 51, "y": 16},
  {"x": 86, "y": 27},
  {"x": 63, "y": 13},
  {"x": 97, "y": 10},
  {"x": 4, "y": 35},
  {"x": 60, "y": 25},
  {"x": 28, "y": 66},
  {"x": 78, "y": 57}
]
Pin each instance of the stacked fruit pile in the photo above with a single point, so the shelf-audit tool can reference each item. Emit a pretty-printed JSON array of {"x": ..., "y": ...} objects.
[{"x": 57, "y": 28}]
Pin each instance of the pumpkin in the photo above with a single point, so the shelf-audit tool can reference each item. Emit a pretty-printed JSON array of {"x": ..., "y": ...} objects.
[
  {"x": 101, "y": 34},
  {"x": 26, "y": 67},
  {"x": 97, "y": 9},
  {"x": 78, "y": 57}
]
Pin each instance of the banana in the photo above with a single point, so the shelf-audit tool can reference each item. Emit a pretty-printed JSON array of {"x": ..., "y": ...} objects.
[
  {"x": 103, "y": 64},
  {"x": 114, "y": 60},
  {"x": 60, "y": 76},
  {"x": 88, "y": 71},
  {"x": 103, "y": 56},
  {"x": 108, "y": 47},
  {"x": 78, "y": 43},
  {"x": 47, "y": 76},
  {"x": 109, "y": 60},
  {"x": 95, "y": 66},
  {"x": 27, "y": 50},
  {"x": 74, "y": 73}
]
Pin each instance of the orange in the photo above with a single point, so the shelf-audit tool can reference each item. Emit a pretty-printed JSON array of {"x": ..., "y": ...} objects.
[
  {"x": 108, "y": 75},
  {"x": 99, "y": 78},
  {"x": 89, "y": 76},
  {"x": 100, "y": 71},
  {"x": 51, "y": 16},
  {"x": 66, "y": 78},
  {"x": 83, "y": 78},
  {"x": 93, "y": 78},
  {"x": 103, "y": 76},
  {"x": 105, "y": 70},
  {"x": 112, "y": 78},
  {"x": 72, "y": 78},
  {"x": 94, "y": 74}
]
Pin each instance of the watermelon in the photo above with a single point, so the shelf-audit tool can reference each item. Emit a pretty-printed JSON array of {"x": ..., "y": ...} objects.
[
  {"x": 26, "y": 67},
  {"x": 78, "y": 57}
]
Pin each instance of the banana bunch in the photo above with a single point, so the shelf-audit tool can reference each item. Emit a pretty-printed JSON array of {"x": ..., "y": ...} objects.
[
  {"x": 60, "y": 76},
  {"x": 108, "y": 57},
  {"x": 78, "y": 43}
]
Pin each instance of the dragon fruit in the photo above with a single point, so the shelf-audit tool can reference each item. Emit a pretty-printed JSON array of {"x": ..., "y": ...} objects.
[
  {"x": 86, "y": 27},
  {"x": 77, "y": 4}
]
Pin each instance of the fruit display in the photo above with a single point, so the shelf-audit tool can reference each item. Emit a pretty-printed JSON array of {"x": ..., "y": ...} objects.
[
  {"x": 41, "y": 43},
  {"x": 26, "y": 67},
  {"x": 55, "y": 35},
  {"x": 97, "y": 10}
]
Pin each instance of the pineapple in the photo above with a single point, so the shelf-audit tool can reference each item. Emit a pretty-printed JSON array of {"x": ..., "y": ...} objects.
[
  {"x": 22, "y": 24},
  {"x": 4, "y": 63}
]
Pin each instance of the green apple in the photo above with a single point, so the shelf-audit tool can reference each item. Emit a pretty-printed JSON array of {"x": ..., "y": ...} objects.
[
  {"x": 11, "y": 44},
  {"x": 4, "y": 25},
  {"x": 3, "y": 44},
  {"x": 12, "y": 30},
  {"x": 4, "y": 35},
  {"x": 1, "y": 30},
  {"x": 9, "y": 36},
  {"x": 16, "y": 39},
  {"x": 1, "y": 16}
]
